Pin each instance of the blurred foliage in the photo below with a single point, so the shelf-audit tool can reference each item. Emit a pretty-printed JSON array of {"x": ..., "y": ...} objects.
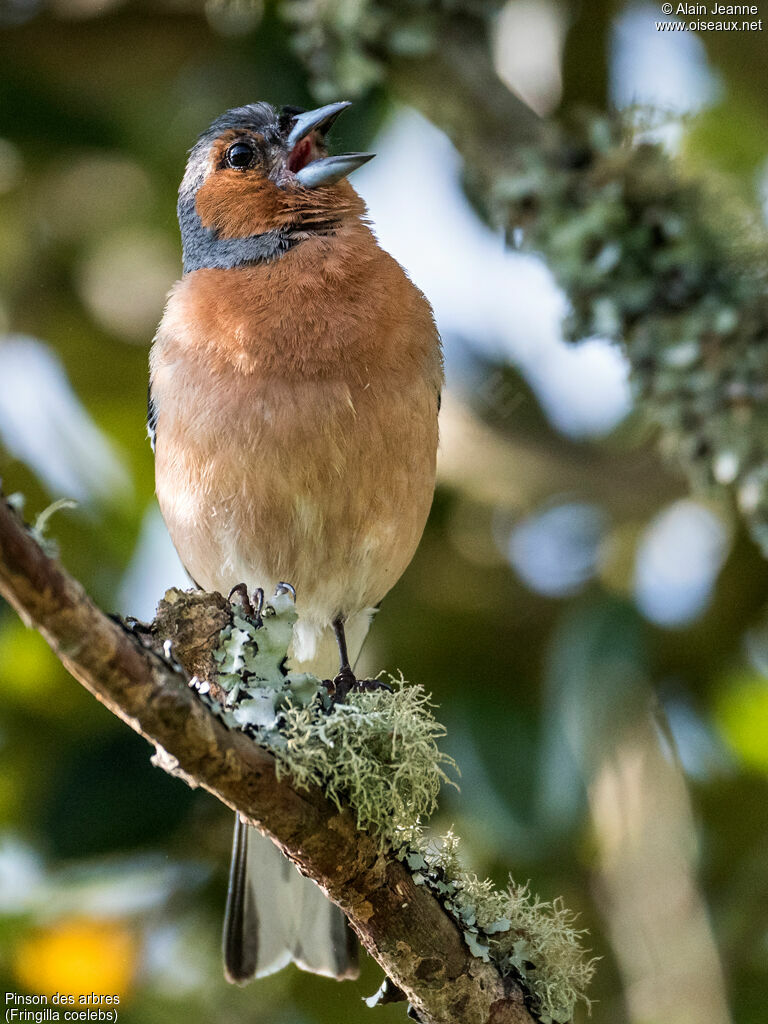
[
  {"x": 547, "y": 699},
  {"x": 675, "y": 269},
  {"x": 742, "y": 715}
]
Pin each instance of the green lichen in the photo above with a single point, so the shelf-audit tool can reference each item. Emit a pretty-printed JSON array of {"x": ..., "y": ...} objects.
[
  {"x": 335, "y": 39},
  {"x": 250, "y": 658},
  {"x": 377, "y": 752},
  {"x": 348, "y": 44}
]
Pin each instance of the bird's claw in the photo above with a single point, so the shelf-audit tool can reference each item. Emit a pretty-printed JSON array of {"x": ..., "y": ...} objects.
[
  {"x": 371, "y": 685},
  {"x": 251, "y": 608},
  {"x": 346, "y": 682},
  {"x": 342, "y": 684}
]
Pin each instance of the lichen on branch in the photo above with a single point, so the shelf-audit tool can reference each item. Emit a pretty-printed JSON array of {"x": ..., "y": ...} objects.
[
  {"x": 536, "y": 942},
  {"x": 136, "y": 671},
  {"x": 377, "y": 752}
]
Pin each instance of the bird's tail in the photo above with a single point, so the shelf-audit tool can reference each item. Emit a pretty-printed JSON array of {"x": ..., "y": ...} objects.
[{"x": 274, "y": 914}]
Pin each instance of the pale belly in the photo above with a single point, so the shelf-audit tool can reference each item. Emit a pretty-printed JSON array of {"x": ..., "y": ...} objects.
[{"x": 313, "y": 486}]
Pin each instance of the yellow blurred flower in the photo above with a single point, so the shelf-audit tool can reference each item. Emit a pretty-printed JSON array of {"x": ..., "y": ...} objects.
[{"x": 78, "y": 956}]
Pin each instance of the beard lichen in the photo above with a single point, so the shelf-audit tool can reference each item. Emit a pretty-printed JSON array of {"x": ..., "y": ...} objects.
[{"x": 377, "y": 752}]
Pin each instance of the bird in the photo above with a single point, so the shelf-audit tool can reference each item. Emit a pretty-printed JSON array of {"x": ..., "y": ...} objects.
[{"x": 295, "y": 382}]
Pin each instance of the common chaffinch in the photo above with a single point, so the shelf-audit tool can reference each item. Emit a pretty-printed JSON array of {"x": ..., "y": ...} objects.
[{"x": 294, "y": 390}]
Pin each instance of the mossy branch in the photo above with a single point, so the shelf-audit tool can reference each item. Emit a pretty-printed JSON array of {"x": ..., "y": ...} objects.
[{"x": 401, "y": 923}]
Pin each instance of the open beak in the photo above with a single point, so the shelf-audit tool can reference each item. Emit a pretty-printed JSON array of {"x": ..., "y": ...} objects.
[{"x": 325, "y": 170}]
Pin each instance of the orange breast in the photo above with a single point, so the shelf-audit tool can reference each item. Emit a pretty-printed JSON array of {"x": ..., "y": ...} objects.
[{"x": 297, "y": 422}]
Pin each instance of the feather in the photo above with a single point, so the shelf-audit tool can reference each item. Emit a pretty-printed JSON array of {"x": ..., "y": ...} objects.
[
  {"x": 151, "y": 417},
  {"x": 275, "y": 915}
]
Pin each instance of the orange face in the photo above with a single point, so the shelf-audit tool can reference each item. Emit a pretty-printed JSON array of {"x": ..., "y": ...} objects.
[
  {"x": 258, "y": 172},
  {"x": 253, "y": 186}
]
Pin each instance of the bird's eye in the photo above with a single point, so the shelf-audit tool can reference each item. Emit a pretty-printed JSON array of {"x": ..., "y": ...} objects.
[{"x": 240, "y": 155}]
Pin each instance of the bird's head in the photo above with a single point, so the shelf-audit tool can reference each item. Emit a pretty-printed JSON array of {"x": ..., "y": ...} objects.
[{"x": 258, "y": 181}]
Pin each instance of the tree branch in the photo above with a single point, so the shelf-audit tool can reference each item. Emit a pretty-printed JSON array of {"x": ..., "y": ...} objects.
[{"x": 401, "y": 924}]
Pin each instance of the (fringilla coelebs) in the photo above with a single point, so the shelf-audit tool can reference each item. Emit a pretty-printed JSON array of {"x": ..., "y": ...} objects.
[{"x": 294, "y": 390}]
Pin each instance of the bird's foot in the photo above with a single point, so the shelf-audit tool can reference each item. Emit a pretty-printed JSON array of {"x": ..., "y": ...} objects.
[
  {"x": 342, "y": 684},
  {"x": 371, "y": 685},
  {"x": 346, "y": 682},
  {"x": 251, "y": 607}
]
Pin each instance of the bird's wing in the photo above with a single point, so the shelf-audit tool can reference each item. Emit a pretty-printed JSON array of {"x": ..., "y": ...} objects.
[{"x": 151, "y": 416}]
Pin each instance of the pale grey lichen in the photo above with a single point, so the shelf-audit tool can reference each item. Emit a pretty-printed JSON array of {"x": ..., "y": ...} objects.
[
  {"x": 39, "y": 527},
  {"x": 377, "y": 752}
]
